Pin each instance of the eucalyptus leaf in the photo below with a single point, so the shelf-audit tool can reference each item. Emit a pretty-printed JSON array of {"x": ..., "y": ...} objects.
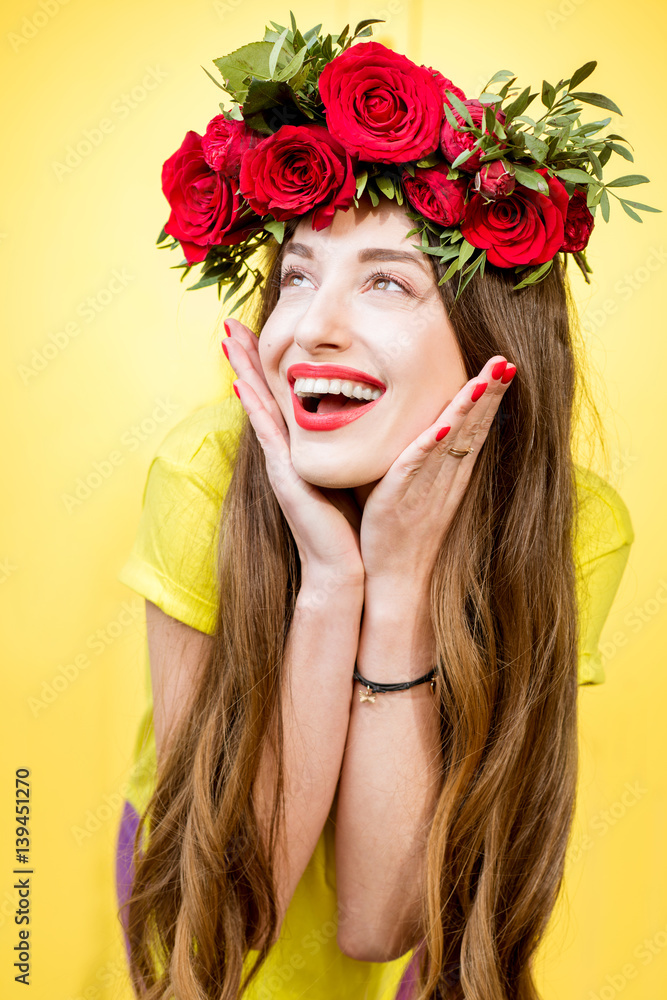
[
  {"x": 460, "y": 107},
  {"x": 361, "y": 182},
  {"x": 364, "y": 24},
  {"x": 530, "y": 178},
  {"x": 582, "y": 73},
  {"x": 275, "y": 52},
  {"x": 373, "y": 196},
  {"x": 625, "y": 153},
  {"x": 639, "y": 205},
  {"x": 466, "y": 252},
  {"x": 628, "y": 180},
  {"x": 451, "y": 270},
  {"x": 576, "y": 175},
  {"x": 604, "y": 205},
  {"x": 538, "y": 148},
  {"x": 548, "y": 94},
  {"x": 518, "y": 106},
  {"x": 629, "y": 211},
  {"x": 535, "y": 276},
  {"x": 216, "y": 82},
  {"x": 598, "y": 100},
  {"x": 293, "y": 66},
  {"x": 462, "y": 157}
]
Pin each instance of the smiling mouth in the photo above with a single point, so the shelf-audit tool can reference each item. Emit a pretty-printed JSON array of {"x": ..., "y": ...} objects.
[{"x": 325, "y": 396}]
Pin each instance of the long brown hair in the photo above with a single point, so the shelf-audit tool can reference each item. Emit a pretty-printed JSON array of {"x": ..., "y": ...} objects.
[{"x": 504, "y": 612}]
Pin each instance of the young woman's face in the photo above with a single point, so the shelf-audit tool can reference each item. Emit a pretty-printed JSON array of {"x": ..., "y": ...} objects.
[{"x": 358, "y": 295}]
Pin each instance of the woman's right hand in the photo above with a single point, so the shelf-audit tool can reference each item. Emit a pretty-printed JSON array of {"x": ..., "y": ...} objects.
[{"x": 325, "y": 527}]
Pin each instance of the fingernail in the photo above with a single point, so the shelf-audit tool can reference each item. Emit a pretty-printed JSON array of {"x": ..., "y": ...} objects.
[
  {"x": 235, "y": 389},
  {"x": 498, "y": 369},
  {"x": 224, "y": 347},
  {"x": 226, "y": 329},
  {"x": 509, "y": 375},
  {"x": 478, "y": 391},
  {"x": 441, "y": 433}
]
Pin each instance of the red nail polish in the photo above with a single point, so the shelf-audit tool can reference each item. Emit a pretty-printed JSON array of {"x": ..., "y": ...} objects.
[
  {"x": 509, "y": 375},
  {"x": 226, "y": 329},
  {"x": 441, "y": 433},
  {"x": 235, "y": 389},
  {"x": 478, "y": 391},
  {"x": 498, "y": 369},
  {"x": 224, "y": 347}
]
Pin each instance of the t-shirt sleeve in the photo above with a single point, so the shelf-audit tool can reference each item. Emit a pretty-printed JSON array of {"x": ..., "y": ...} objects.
[
  {"x": 173, "y": 559},
  {"x": 602, "y": 544}
]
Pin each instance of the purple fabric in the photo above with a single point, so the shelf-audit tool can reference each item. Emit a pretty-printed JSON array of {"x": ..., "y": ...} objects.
[
  {"x": 405, "y": 988},
  {"x": 124, "y": 867}
]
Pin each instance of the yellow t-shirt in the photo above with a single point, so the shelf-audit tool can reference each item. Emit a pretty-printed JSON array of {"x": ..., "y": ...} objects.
[{"x": 172, "y": 564}]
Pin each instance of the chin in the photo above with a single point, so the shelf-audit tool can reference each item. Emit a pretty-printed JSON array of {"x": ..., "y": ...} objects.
[{"x": 331, "y": 476}]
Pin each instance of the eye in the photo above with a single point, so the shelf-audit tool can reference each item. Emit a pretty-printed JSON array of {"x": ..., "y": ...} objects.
[
  {"x": 387, "y": 279},
  {"x": 288, "y": 274}
]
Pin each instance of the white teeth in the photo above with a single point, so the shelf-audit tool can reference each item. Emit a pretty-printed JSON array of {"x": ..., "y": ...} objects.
[{"x": 322, "y": 386}]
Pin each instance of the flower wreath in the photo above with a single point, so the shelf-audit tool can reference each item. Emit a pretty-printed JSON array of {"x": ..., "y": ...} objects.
[{"x": 317, "y": 121}]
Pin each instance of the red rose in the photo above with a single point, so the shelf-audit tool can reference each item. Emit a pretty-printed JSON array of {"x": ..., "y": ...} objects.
[
  {"x": 380, "y": 105},
  {"x": 495, "y": 179},
  {"x": 435, "y": 197},
  {"x": 578, "y": 224},
  {"x": 294, "y": 170},
  {"x": 444, "y": 84},
  {"x": 525, "y": 228},
  {"x": 225, "y": 142},
  {"x": 205, "y": 206},
  {"x": 453, "y": 143}
]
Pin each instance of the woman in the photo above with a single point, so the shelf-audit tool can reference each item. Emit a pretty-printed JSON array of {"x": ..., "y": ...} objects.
[{"x": 415, "y": 519}]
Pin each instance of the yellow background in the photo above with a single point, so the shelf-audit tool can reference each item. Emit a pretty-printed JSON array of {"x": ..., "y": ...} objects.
[{"x": 145, "y": 352}]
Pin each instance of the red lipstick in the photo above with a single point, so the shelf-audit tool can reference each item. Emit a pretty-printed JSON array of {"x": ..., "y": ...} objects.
[{"x": 329, "y": 421}]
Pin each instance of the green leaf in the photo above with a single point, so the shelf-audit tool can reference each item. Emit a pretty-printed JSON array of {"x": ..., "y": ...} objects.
[
  {"x": 639, "y": 205},
  {"x": 622, "y": 150},
  {"x": 519, "y": 105},
  {"x": 467, "y": 250},
  {"x": 428, "y": 161},
  {"x": 293, "y": 66},
  {"x": 597, "y": 166},
  {"x": 535, "y": 276},
  {"x": 628, "y": 180},
  {"x": 462, "y": 157},
  {"x": 538, "y": 148},
  {"x": 460, "y": 107},
  {"x": 548, "y": 94},
  {"x": 604, "y": 205},
  {"x": 264, "y": 95},
  {"x": 530, "y": 179},
  {"x": 162, "y": 237},
  {"x": 452, "y": 120},
  {"x": 244, "y": 63},
  {"x": 451, "y": 270},
  {"x": 582, "y": 74},
  {"x": 276, "y": 228},
  {"x": 503, "y": 75},
  {"x": 469, "y": 272},
  {"x": 629, "y": 211},
  {"x": 599, "y": 100},
  {"x": 576, "y": 175},
  {"x": 275, "y": 52},
  {"x": 386, "y": 185},
  {"x": 211, "y": 77},
  {"x": 373, "y": 196},
  {"x": 361, "y": 182},
  {"x": 364, "y": 24},
  {"x": 343, "y": 35}
]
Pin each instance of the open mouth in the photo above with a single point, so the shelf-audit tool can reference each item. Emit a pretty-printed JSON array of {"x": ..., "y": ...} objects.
[{"x": 324, "y": 396}]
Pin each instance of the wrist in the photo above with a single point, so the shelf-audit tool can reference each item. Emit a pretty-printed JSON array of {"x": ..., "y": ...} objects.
[{"x": 322, "y": 586}]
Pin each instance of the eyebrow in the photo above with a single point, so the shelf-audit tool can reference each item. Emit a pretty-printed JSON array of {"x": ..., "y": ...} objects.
[{"x": 369, "y": 253}]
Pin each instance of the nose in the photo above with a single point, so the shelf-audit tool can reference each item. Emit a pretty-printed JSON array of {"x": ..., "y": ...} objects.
[{"x": 323, "y": 324}]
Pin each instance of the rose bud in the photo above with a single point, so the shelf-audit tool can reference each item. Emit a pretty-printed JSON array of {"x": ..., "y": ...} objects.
[{"x": 495, "y": 179}]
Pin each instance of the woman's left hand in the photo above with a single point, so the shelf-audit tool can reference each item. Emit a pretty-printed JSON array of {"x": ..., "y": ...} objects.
[{"x": 408, "y": 512}]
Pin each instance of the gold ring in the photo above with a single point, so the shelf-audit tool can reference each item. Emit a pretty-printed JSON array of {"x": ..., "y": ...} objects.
[{"x": 460, "y": 454}]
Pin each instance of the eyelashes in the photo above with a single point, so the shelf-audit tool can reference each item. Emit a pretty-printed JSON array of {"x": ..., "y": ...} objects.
[{"x": 280, "y": 280}]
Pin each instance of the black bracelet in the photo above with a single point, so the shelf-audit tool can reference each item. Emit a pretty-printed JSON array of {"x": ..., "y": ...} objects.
[{"x": 372, "y": 687}]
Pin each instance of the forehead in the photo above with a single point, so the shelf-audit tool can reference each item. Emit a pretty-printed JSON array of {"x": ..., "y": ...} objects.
[{"x": 357, "y": 236}]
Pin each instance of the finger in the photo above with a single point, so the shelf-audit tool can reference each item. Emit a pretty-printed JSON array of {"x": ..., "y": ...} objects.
[
  {"x": 474, "y": 430},
  {"x": 244, "y": 335},
  {"x": 276, "y": 450},
  {"x": 240, "y": 362}
]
